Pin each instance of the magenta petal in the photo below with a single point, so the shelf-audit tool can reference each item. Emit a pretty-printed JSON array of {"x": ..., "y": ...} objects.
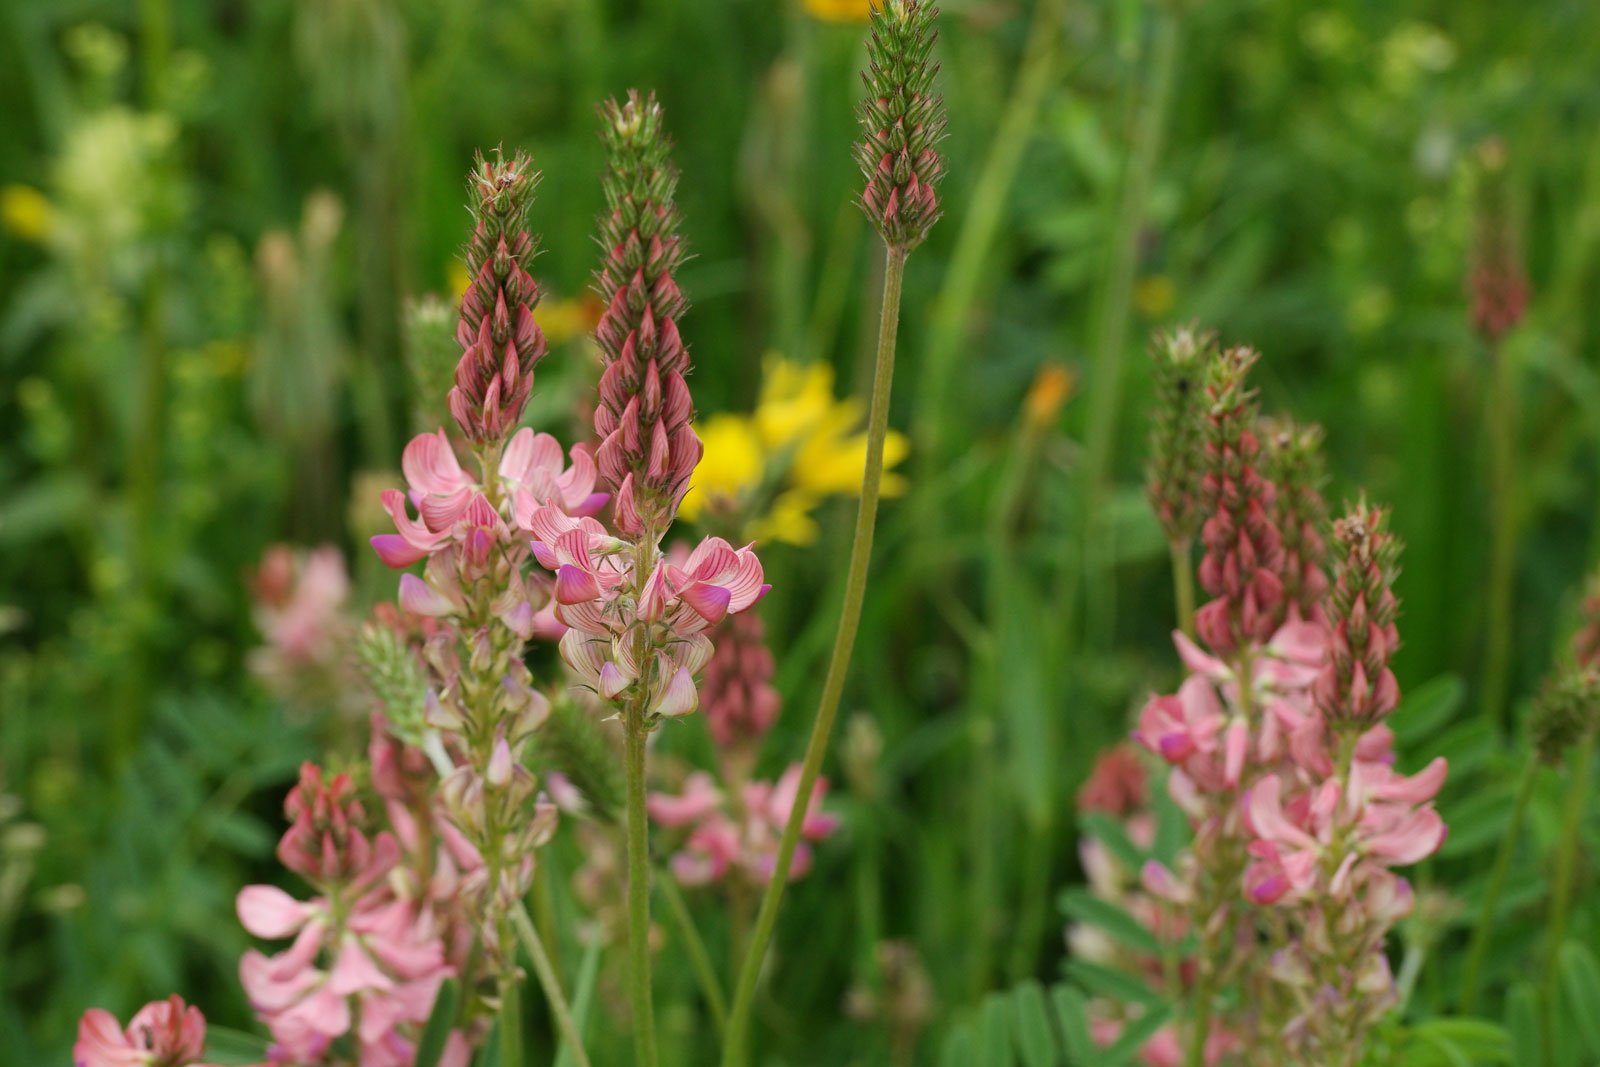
[{"x": 396, "y": 551}]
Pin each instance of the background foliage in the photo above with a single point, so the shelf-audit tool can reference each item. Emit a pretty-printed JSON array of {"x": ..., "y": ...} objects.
[{"x": 214, "y": 212}]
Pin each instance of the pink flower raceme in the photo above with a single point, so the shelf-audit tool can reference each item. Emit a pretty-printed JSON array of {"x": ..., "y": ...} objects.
[
  {"x": 1313, "y": 842},
  {"x": 326, "y": 841},
  {"x": 1356, "y": 685},
  {"x": 370, "y": 968},
  {"x": 499, "y": 339},
  {"x": 364, "y": 961},
  {"x": 902, "y": 122},
  {"x": 609, "y": 624},
  {"x": 454, "y": 509},
  {"x": 740, "y": 702},
  {"x": 1202, "y": 729},
  {"x": 725, "y": 839},
  {"x": 648, "y": 449},
  {"x": 164, "y": 1033},
  {"x": 300, "y": 602},
  {"x": 1242, "y": 544}
]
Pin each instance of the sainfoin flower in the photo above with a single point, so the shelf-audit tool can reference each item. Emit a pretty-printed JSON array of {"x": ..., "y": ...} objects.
[
  {"x": 736, "y": 691},
  {"x": 164, "y": 1033},
  {"x": 499, "y": 338},
  {"x": 648, "y": 449},
  {"x": 678, "y": 600},
  {"x": 363, "y": 961},
  {"x": 902, "y": 122},
  {"x": 724, "y": 839}
]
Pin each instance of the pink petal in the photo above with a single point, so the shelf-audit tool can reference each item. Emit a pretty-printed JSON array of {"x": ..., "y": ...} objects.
[{"x": 268, "y": 912}]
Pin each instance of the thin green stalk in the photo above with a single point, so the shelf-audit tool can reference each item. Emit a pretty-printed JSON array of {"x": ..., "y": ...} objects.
[
  {"x": 1562, "y": 878},
  {"x": 1105, "y": 384},
  {"x": 1473, "y": 972},
  {"x": 510, "y": 1018},
  {"x": 560, "y": 1011},
  {"x": 1503, "y": 535},
  {"x": 699, "y": 958},
  {"x": 980, "y": 222},
  {"x": 1183, "y": 588},
  {"x": 855, "y": 591},
  {"x": 644, "y": 1024}
]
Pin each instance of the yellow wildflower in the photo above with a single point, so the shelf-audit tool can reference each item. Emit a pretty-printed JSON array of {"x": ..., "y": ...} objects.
[
  {"x": 840, "y": 10},
  {"x": 26, "y": 212},
  {"x": 769, "y": 470},
  {"x": 562, "y": 320}
]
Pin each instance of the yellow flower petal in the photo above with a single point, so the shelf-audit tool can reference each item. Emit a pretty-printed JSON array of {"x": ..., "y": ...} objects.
[
  {"x": 839, "y": 10},
  {"x": 730, "y": 466},
  {"x": 789, "y": 520},
  {"x": 795, "y": 399},
  {"x": 25, "y": 212}
]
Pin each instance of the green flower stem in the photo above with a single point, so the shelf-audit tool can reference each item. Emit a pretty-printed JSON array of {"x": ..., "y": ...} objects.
[
  {"x": 644, "y": 1025},
  {"x": 1562, "y": 878},
  {"x": 510, "y": 1014},
  {"x": 855, "y": 591},
  {"x": 1183, "y": 587},
  {"x": 1502, "y": 538},
  {"x": 1111, "y": 334},
  {"x": 1473, "y": 972},
  {"x": 699, "y": 958},
  {"x": 560, "y": 1011}
]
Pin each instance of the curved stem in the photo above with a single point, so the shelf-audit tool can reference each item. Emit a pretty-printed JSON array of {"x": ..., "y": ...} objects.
[
  {"x": 1503, "y": 540},
  {"x": 699, "y": 957},
  {"x": 855, "y": 591},
  {"x": 1561, "y": 879},
  {"x": 1473, "y": 972},
  {"x": 560, "y": 1011},
  {"x": 644, "y": 1026}
]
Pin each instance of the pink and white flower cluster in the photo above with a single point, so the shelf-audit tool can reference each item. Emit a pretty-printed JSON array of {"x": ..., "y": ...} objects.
[
  {"x": 365, "y": 961},
  {"x": 730, "y": 836},
  {"x": 627, "y": 629},
  {"x": 163, "y": 1033}
]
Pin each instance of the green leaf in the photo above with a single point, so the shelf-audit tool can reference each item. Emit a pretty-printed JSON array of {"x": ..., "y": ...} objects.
[
  {"x": 1478, "y": 1040},
  {"x": 440, "y": 1022},
  {"x": 995, "y": 1036},
  {"x": 1475, "y": 822},
  {"x": 1034, "y": 1036},
  {"x": 1110, "y": 982},
  {"x": 1105, "y": 916},
  {"x": 1110, "y": 833},
  {"x": 582, "y": 997},
  {"x": 957, "y": 1051},
  {"x": 1580, "y": 981},
  {"x": 1172, "y": 828},
  {"x": 1426, "y": 709},
  {"x": 1072, "y": 1014},
  {"x": 1135, "y": 1034},
  {"x": 1522, "y": 1021},
  {"x": 233, "y": 1048}
]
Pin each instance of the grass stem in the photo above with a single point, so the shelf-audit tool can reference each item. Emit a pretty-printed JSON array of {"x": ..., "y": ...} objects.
[{"x": 855, "y": 592}]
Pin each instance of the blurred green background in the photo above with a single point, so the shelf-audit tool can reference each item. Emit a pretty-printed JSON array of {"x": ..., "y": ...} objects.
[{"x": 214, "y": 215}]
